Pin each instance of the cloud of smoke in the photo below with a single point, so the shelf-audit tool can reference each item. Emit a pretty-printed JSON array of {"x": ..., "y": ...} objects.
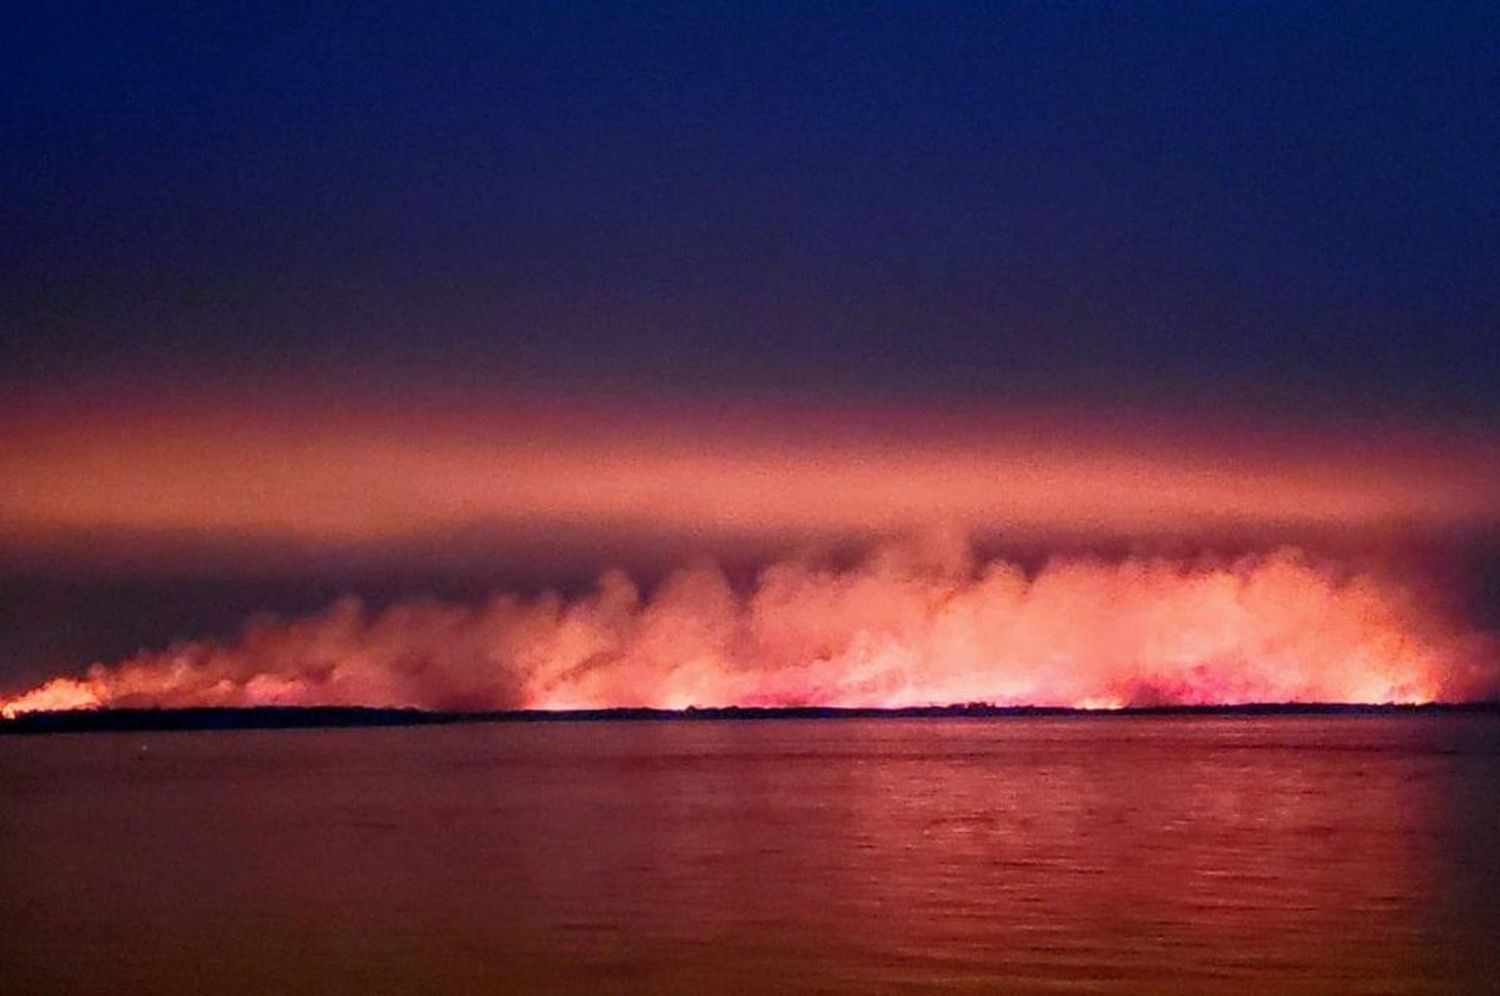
[{"x": 912, "y": 624}]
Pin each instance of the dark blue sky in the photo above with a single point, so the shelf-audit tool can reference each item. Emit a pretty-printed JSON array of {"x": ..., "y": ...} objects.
[{"x": 1292, "y": 206}]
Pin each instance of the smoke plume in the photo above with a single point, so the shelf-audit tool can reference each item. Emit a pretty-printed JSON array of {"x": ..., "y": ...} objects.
[{"x": 911, "y": 624}]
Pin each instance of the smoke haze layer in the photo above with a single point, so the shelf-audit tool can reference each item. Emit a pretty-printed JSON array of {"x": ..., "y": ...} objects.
[
  {"x": 246, "y": 476},
  {"x": 911, "y": 624}
]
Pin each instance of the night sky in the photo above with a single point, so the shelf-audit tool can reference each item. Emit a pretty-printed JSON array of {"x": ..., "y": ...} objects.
[{"x": 1174, "y": 216}]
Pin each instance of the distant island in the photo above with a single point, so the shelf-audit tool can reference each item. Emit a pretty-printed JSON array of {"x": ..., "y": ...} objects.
[{"x": 304, "y": 717}]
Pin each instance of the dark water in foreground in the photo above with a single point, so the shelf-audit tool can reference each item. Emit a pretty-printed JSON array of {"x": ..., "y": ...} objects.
[{"x": 1052, "y": 855}]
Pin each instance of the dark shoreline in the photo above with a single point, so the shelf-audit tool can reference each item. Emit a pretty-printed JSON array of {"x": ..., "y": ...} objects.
[{"x": 308, "y": 717}]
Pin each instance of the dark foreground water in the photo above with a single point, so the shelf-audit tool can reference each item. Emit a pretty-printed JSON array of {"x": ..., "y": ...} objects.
[{"x": 1100, "y": 855}]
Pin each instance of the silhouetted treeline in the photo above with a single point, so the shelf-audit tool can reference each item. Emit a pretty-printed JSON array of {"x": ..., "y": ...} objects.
[{"x": 294, "y": 717}]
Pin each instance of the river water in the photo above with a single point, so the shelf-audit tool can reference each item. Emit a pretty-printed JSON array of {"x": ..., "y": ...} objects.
[{"x": 1014, "y": 855}]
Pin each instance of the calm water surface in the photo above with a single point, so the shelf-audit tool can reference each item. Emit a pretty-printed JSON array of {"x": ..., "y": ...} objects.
[{"x": 1099, "y": 855}]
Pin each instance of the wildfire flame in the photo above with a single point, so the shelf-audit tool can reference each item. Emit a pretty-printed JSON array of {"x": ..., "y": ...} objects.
[{"x": 910, "y": 625}]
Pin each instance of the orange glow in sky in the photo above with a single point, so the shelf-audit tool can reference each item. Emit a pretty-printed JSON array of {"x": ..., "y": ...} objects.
[{"x": 363, "y": 474}]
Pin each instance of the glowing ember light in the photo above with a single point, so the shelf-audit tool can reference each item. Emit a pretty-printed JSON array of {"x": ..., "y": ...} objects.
[
  {"x": 56, "y": 695},
  {"x": 900, "y": 629}
]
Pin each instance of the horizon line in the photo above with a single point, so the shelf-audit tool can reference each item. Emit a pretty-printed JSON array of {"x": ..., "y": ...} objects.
[{"x": 190, "y": 718}]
